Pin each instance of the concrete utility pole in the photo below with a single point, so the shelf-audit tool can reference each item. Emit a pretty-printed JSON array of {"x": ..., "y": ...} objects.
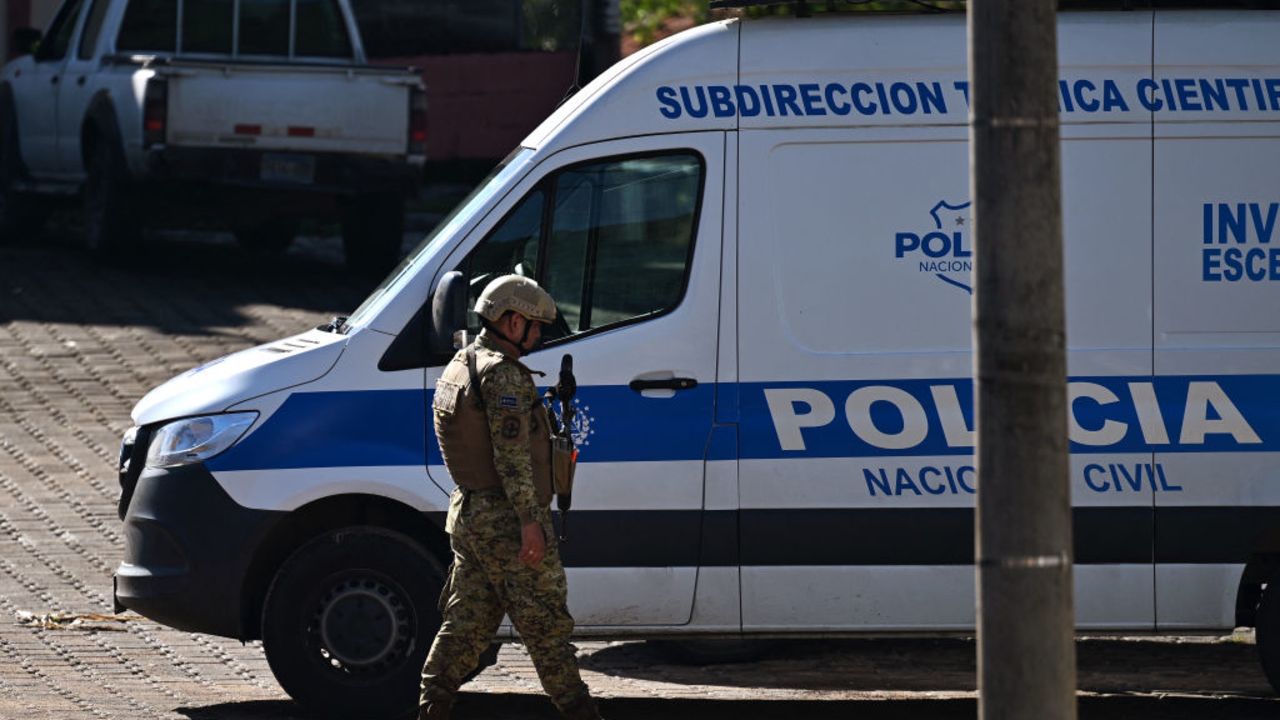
[{"x": 1026, "y": 640}]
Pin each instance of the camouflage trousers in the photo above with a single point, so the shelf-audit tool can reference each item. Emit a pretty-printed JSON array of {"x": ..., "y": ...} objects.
[{"x": 486, "y": 581}]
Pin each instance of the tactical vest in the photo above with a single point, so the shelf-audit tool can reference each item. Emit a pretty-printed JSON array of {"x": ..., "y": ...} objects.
[{"x": 462, "y": 427}]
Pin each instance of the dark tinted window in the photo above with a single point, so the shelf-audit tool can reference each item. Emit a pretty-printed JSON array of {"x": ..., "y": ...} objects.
[
  {"x": 54, "y": 45},
  {"x": 149, "y": 26},
  {"x": 618, "y": 243},
  {"x": 207, "y": 25},
  {"x": 621, "y": 239},
  {"x": 264, "y": 27},
  {"x": 399, "y": 28},
  {"x": 92, "y": 28},
  {"x": 511, "y": 249},
  {"x": 321, "y": 31}
]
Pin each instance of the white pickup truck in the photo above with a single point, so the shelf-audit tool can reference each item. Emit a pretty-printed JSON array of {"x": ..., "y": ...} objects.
[{"x": 253, "y": 113}]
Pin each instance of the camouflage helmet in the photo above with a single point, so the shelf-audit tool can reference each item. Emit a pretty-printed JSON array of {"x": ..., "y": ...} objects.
[{"x": 517, "y": 294}]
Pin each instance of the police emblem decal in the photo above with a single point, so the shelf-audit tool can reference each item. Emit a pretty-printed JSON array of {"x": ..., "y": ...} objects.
[{"x": 946, "y": 250}]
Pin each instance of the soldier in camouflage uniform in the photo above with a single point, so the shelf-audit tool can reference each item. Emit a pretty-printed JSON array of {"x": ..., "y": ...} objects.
[{"x": 495, "y": 439}]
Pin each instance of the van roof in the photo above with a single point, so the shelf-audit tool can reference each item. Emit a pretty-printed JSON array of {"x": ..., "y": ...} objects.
[{"x": 881, "y": 70}]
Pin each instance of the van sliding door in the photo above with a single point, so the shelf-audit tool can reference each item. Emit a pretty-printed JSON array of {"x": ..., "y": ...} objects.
[{"x": 856, "y": 252}]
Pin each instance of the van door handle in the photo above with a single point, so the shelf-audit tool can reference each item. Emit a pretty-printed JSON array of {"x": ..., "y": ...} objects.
[{"x": 664, "y": 384}]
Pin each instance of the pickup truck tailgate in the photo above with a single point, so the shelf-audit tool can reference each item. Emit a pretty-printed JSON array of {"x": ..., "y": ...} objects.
[{"x": 295, "y": 108}]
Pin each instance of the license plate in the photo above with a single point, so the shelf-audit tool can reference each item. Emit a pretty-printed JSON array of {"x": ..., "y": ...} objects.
[{"x": 299, "y": 169}]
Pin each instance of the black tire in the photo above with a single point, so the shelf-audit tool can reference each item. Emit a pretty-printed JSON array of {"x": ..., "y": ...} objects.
[
  {"x": 372, "y": 232},
  {"x": 270, "y": 237},
  {"x": 1268, "y": 621},
  {"x": 21, "y": 214},
  {"x": 111, "y": 213},
  {"x": 348, "y": 621}
]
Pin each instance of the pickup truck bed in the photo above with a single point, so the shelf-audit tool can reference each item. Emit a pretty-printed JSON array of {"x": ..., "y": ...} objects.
[{"x": 113, "y": 109}]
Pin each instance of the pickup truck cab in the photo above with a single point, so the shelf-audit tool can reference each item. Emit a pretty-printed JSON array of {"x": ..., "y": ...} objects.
[{"x": 255, "y": 112}]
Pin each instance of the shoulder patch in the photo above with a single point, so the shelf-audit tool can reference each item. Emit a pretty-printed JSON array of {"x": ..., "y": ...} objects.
[{"x": 509, "y": 401}]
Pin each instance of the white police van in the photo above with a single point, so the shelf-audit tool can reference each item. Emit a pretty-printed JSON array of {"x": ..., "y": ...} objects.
[{"x": 760, "y": 238}]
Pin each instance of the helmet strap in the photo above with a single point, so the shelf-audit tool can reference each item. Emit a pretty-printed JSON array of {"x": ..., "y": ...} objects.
[{"x": 524, "y": 337}]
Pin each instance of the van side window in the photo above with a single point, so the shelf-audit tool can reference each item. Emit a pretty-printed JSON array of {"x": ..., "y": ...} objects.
[
  {"x": 511, "y": 249},
  {"x": 149, "y": 26},
  {"x": 614, "y": 247},
  {"x": 55, "y": 44}
]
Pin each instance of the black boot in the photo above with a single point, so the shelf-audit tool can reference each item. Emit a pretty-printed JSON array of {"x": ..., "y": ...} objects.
[
  {"x": 584, "y": 708},
  {"x": 435, "y": 705}
]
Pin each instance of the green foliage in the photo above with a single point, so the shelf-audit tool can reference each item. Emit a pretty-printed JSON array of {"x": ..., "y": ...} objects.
[
  {"x": 644, "y": 18},
  {"x": 551, "y": 24}
]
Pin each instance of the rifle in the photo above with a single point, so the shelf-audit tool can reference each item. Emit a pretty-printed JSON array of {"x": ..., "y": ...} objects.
[{"x": 564, "y": 456}]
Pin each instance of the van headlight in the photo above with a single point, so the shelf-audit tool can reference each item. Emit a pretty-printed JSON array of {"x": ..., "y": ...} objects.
[{"x": 193, "y": 440}]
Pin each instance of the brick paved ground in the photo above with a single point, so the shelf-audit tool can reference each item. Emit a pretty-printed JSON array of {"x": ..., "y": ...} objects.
[{"x": 79, "y": 344}]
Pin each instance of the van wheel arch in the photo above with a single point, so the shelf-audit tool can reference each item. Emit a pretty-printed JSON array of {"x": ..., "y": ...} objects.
[{"x": 322, "y": 516}]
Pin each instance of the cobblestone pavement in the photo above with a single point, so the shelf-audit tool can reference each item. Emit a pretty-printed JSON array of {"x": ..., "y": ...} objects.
[{"x": 80, "y": 343}]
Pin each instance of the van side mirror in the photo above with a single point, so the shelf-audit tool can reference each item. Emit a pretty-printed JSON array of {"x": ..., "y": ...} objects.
[
  {"x": 25, "y": 40},
  {"x": 448, "y": 312}
]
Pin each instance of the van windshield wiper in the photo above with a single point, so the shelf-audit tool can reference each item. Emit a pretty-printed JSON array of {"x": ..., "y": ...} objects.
[{"x": 337, "y": 325}]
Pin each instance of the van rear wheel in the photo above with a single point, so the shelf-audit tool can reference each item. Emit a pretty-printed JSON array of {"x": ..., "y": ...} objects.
[
  {"x": 1268, "y": 621},
  {"x": 348, "y": 621}
]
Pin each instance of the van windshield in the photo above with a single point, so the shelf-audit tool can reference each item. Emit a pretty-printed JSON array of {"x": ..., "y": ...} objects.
[{"x": 462, "y": 215}]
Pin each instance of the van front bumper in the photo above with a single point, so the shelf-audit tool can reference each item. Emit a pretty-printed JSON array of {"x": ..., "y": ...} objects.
[{"x": 188, "y": 551}]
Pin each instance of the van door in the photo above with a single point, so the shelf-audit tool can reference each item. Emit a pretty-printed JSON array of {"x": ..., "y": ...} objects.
[
  {"x": 857, "y": 474},
  {"x": 626, "y": 237},
  {"x": 1217, "y": 332}
]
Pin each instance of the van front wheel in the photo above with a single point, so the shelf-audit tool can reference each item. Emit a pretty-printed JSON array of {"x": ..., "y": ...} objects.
[
  {"x": 348, "y": 621},
  {"x": 1269, "y": 632}
]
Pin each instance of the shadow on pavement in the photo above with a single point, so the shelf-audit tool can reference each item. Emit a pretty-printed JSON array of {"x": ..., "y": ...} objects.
[
  {"x": 948, "y": 665},
  {"x": 535, "y": 707},
  {"x": 191, "y": 283}
]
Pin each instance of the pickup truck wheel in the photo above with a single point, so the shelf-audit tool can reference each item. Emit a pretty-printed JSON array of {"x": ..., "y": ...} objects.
[
  {"x": 348, "y": 621},
  {"x": 372, "y": 232},
  {"x": 111, "y": 222},
  {"x": 1268, "y": 621},
  {"x": 21, "y": 214},
  {"x": 270, "y": 237}
]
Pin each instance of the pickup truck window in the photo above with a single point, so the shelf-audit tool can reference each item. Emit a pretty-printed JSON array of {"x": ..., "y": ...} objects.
[
  {"x": 55, "y": 44},
  {"x": 264, "y": 27},
  {"x": 92, "y": 29},
  {"x": 207, "y": 26},
  {"x": 320, "y": 30},
  {"x": 267, "y": 28},
  {"x": 149, "y": 26}
]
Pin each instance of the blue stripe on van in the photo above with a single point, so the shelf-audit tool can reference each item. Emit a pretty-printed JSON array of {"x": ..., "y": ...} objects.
[
  {"x": 392, "y": 428},
  {"x": 1256, "y": 397}
]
